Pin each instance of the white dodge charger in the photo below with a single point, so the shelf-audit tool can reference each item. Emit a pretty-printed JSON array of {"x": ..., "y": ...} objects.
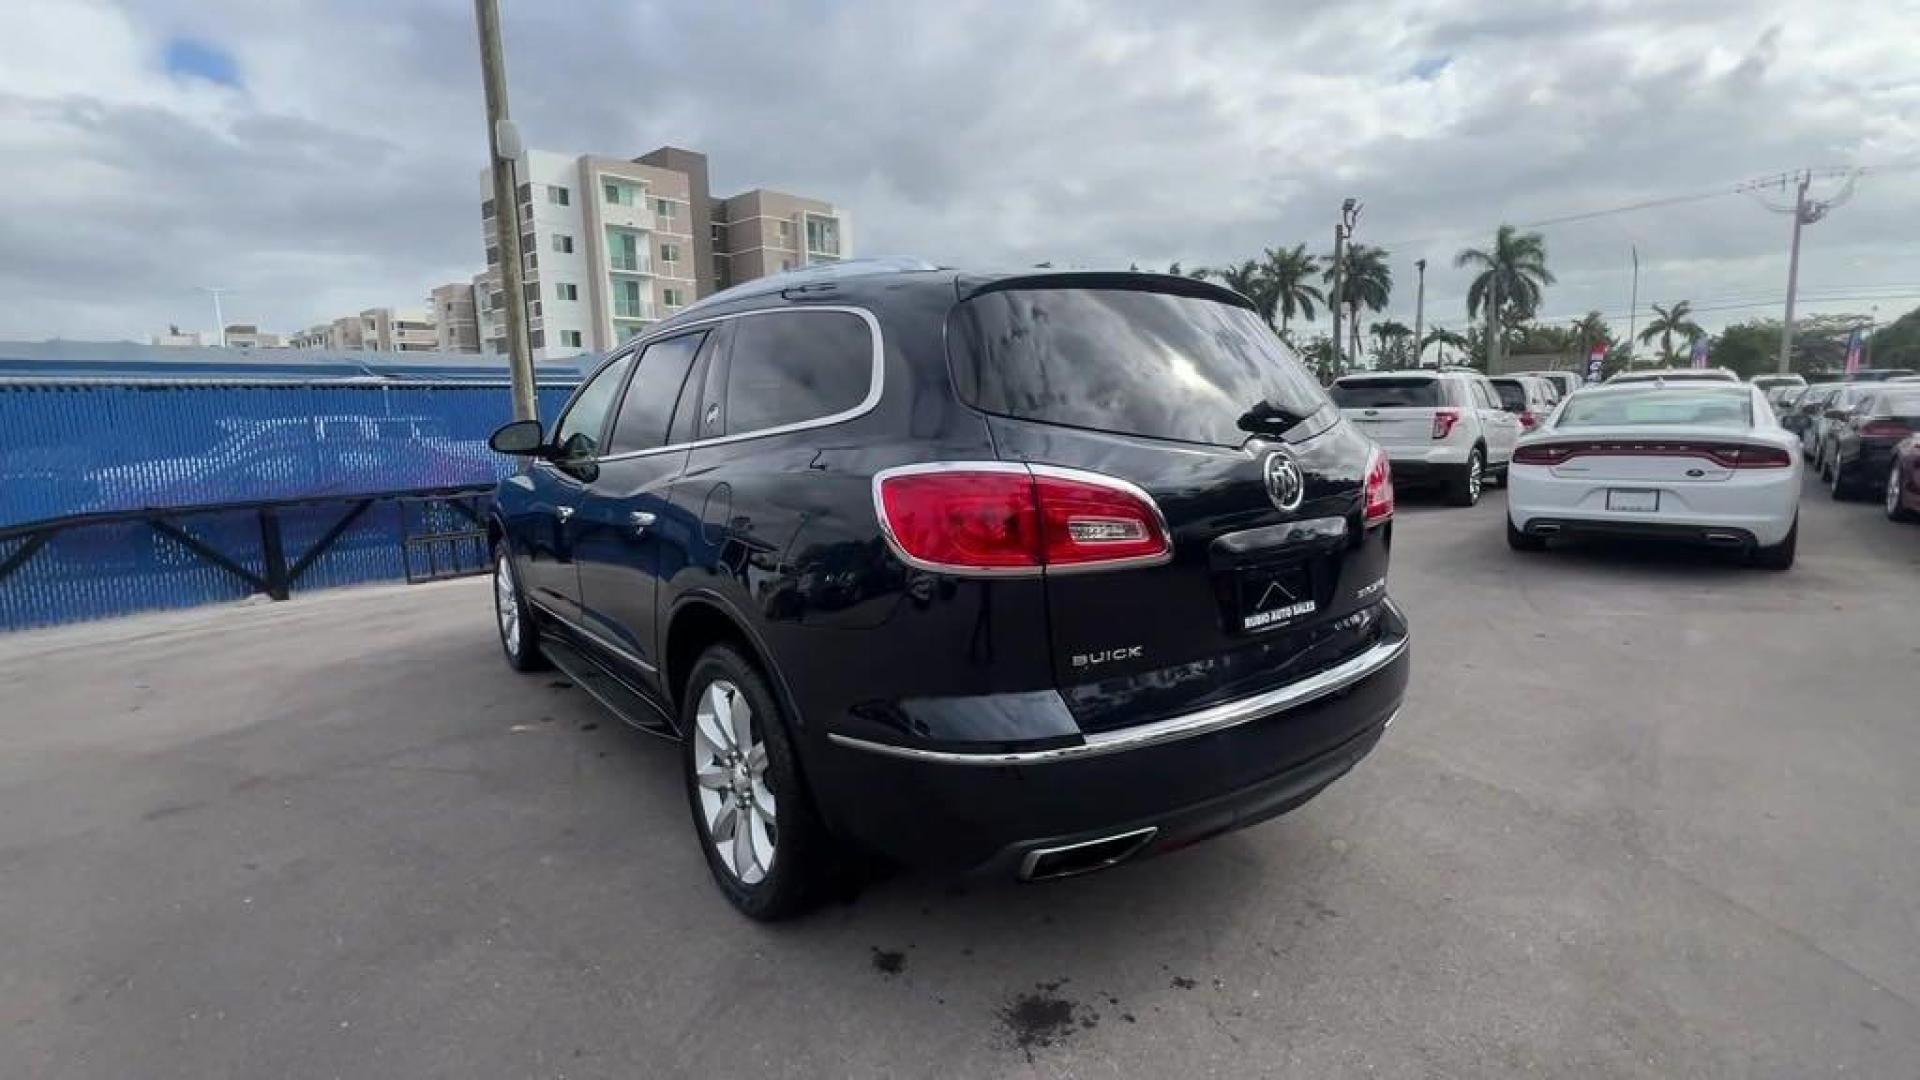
[{"x": 1696, "y": 462}]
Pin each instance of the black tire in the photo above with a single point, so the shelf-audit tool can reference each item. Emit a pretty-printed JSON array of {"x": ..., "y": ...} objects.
[
  {"x": 804, "y": 861},
  {"x": 519, "y": 635},
  {"x": 1497, "y": 474},
  {"x": 1896, "y": 511},
  {"x": 1837, "y": 483},
  {"x": 1780, "y": 555},
  {"x": 1520, "y": 541},
  {"x": 1464, "y": 484}
]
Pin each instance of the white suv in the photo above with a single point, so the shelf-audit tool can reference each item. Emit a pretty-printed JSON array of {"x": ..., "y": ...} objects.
[{"x": 1445, "y": 426}]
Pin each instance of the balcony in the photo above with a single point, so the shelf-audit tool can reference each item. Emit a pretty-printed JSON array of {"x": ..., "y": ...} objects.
[
  {"x": 645, "y": 311},
  {"x": 642, "y": 266},
  {"x": 638, "y": 217}
]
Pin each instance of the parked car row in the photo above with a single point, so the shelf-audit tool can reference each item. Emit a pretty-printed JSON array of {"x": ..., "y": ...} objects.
[
  {"x": 1034, "y": 574},
  {"x": 1872, "y": 448}
]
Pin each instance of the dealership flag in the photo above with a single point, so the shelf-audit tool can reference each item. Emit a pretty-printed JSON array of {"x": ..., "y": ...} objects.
[
  {"x": 1700, "y": 351},
  {"x": 1596, "y": 360},
  {"x": 1853, "y": 351}
]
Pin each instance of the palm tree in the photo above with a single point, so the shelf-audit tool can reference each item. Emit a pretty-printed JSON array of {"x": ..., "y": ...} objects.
[
  {"x": 1591, "y": 329},
  {"x": 1390, "y": 342},
  {"x": 1512, "y": 273},
  {"x": 1667, "y": 322},
  {"x": 1249, "y": 279},
  {"x": 1290, "y": 274},
  {"x": 1366, "y": 281},
  {"x": 1444, "y": 338}
]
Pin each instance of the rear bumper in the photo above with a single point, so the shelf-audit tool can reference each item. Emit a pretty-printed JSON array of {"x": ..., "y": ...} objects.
[
  {"x": 1748, "y": 510},
  {"x": 1417, "y": 463},
  {"x": 1184, "y": 778}
]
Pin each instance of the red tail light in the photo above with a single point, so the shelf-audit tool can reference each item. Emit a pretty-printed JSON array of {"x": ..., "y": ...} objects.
[
  {"x": 1528, "y": 420},
  {"x": 1379, "y": 501},
  {"x": 1443, "y": 421},
  {"x": 1884, "y": 429},
  {"x": 1728, "y": 455},
  {"x": 998, "y": 518}
]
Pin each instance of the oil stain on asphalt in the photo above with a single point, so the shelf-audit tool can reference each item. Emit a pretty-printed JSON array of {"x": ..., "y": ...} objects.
[
  {"x": 1041, "y": 1017},
  {"x": 889, "y": 961}
]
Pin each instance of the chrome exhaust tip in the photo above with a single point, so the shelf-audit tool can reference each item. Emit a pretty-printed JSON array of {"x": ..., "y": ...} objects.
[
  {"x": 1545, "y": 528},
  {"x": 1069, "y": 860},
  {"x": 1726, "y": 539}
]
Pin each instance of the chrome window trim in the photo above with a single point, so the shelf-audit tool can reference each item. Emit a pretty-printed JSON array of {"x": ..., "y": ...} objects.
[
  {"x": 1186, "y": 726},
  {"x": 1031, "y": 469},
  {"x": 876, "y": 382}
]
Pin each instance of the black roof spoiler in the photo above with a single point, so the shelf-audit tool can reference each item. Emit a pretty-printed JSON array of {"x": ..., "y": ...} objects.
[{"x": 971, "y": 286}]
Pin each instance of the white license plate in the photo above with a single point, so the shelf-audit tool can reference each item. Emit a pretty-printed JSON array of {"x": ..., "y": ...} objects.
[{"x": 1633, "y": 501}]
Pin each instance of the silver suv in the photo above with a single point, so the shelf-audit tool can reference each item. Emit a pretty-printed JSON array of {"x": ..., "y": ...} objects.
[{"x": 1445, "y": 427}]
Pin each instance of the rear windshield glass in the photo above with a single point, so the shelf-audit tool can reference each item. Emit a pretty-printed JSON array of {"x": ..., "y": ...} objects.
[
  {"x": 1512, "y": 394},
  {"x": 1901, "y": 402},
  {"x": 1130, "y": 362},
  {"x": 1729, "y": 408},
  {"x": 1410, "y": 393}
]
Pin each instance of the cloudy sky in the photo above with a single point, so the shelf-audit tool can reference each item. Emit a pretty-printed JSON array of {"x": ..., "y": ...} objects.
[{"x": 319, "y": 157}]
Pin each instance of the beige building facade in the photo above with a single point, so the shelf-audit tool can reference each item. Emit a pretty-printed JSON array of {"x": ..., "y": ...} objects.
[{"x": 610, "y": 245}]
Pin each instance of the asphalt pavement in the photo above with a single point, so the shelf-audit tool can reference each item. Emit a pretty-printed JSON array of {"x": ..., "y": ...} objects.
[{"x": 1643, "y": 815}]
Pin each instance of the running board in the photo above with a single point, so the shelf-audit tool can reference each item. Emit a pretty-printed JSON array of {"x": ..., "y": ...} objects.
[{"x": 620, "y": 699}]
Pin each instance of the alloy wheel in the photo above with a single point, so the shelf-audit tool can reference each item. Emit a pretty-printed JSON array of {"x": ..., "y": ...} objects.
[
  {"x": 1476, "y": 477},
  {"x": 1893, "y": 490},
  {"x": 730, "y": 766},
  {"x": 506, "y": 605}
]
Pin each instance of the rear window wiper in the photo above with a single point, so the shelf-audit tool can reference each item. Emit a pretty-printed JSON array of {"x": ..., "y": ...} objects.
[{"x": 1266, "y": 418}]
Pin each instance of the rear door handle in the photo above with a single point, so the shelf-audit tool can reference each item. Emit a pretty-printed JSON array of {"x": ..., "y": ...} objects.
[
  {"x": 640, "y": 520},
  {"x": 563, "y": 513}
]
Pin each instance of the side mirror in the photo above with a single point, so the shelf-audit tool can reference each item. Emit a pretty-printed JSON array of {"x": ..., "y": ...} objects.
[{"x": 522, "y": 438}]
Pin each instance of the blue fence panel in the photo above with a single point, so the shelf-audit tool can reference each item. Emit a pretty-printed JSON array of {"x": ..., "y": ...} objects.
[{"x": 70, "y": 448}]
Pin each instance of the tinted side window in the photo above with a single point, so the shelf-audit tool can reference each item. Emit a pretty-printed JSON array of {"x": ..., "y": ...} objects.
[
  {"x": 794, "y": 366},
  {"x": 588, "y": 416},
  {"x": 1513, "y": 395},
  {"x": 648, "y": 406}
]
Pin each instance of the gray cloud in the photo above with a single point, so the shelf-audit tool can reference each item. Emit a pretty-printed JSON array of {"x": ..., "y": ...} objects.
[{"x": 342, "y": 173}]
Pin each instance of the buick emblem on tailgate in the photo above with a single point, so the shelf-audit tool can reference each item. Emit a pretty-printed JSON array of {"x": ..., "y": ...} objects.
[{"x": 1284, "y": 485}]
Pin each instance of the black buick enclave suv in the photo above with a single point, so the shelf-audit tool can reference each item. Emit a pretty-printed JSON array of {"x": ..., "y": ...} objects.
[{"x": 1025, "y": 574}]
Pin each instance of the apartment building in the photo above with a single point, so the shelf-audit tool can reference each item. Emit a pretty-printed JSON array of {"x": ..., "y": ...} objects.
[
  {"x": 609, "y": 245},
  {"x": 456, "y": 323},
  {"x": 378, "y": 329},
  {"x": 761, "y": 232}
]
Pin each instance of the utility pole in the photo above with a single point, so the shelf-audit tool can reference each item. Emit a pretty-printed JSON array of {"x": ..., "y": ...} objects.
[
  {"x": 1419, "y": 307},
  {"x": 503, "y": 147},
  {"x": 1800, "y": 217},
  {"x": 1633, "y": 306}
]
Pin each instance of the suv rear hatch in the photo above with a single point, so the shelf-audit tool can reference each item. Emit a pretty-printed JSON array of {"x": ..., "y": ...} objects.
[
  {"x": 1393, "y": 410},
  {"x": 1179, "y": 389}
]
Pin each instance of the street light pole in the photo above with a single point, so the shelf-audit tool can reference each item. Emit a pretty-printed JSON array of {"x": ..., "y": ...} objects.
[
  {"x": 1419, "y": 308},
  {"x": 503, "y": 147},
  {"x": 219, "y": 320}
]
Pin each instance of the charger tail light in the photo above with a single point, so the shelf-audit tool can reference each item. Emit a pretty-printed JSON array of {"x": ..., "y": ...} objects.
[
  {"x": 1881, "y": 428},
  {"x": 1379, "y": 498},
  {"x": 1725, "y": 454},
  {"x": 1443, "y": 421},
  {"x": 997, "y": 518}
]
